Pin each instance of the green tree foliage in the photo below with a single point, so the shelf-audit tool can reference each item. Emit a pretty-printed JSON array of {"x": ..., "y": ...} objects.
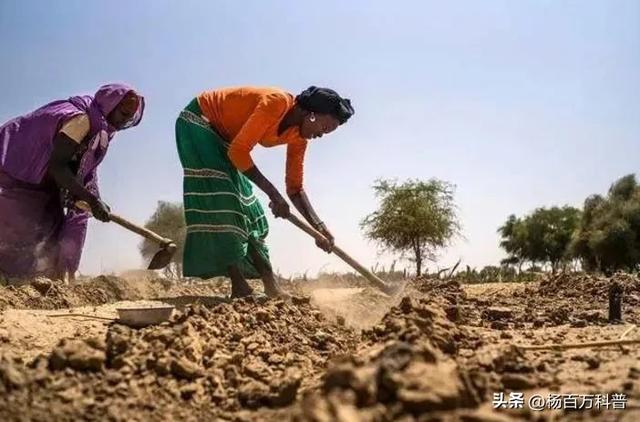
[
  {"x": 541, "y": 237},
  {"x": 168, "y": 221},
  {"x": 414, "y": 218},
  {"x": 513, "y": 241},
  {"x": 608, "y": 236}
]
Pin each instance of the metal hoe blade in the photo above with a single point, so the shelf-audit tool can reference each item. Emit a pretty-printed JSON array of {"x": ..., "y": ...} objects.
[{"x": 163, "y": 257}]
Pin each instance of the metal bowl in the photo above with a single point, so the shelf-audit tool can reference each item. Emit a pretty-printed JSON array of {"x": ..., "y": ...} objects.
[{"x": 143, "y": 317}]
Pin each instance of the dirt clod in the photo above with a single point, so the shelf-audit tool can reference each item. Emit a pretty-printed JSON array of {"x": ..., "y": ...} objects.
[
  {"x": 498, "y": 313},
  {"x": 80, "y": 355}
]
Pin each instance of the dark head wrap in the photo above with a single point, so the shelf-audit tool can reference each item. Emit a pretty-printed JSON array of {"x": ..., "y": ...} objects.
[{"x": 325, "y": 101}]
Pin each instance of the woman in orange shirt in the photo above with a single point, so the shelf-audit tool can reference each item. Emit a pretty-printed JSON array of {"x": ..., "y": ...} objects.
[{"x": 215, "y": 134}]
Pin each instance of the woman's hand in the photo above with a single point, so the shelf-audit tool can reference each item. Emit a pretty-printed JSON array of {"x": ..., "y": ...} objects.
[
  {"x": 279, "y": 206},
  {"x": 100, "y": 210},
  {"x": 327, "y": 243}
]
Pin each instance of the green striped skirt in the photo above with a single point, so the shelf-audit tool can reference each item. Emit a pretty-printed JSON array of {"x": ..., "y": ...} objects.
[{"x": 223, "y": 216}]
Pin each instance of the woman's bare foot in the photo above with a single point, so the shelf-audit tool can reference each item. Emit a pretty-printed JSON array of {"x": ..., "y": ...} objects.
[
  {"x": 237, "y": 293},
  {"x": 239, "y": 286},
  {"x": 272, "y": 289}
]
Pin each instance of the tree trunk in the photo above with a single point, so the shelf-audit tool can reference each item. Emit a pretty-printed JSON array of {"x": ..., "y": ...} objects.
[{"x": 418, "y": 253}]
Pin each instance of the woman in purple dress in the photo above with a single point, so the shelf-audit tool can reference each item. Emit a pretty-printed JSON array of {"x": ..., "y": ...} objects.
[{"x": 48, "y": 161}]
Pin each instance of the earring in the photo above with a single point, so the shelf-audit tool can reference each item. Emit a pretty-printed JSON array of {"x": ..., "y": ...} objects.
[{"x": 312, "y": 117}]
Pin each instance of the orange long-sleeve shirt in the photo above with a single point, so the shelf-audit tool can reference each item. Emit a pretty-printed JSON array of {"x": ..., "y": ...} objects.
[{"x": 247, "y": 116}]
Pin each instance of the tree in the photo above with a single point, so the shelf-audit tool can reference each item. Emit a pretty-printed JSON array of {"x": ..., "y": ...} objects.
[
  {"x": 608, "y": 236},
  {"x": 549, "y": 234},
  {"x": 540, "y": 237},
  {"x": 580, "y": 247},
  {"x": 414, "y": 218},
  {"x": 168, "y": 221},
  {"x": 513, "y": 234}
]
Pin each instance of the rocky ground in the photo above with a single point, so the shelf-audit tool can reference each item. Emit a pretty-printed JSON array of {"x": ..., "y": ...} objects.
[{"x": 333, "y": 352}]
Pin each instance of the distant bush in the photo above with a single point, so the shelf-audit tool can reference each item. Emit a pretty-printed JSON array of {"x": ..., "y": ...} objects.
[
  {"x": 542, "y": 237},
  {"x": 607, "y": 238}
]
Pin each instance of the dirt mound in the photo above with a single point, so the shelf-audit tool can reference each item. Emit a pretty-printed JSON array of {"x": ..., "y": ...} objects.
[
  {"x": 204, "y": 362},
  {"x": 582, "y": 299},
  {"x": 43, "y": 293},
  {"x": 450, "y": 289},
  {"x": 505, "y": 368},
  {"x": 449, "y": 294},
  {"x": 575, "y": 299},
  {"x": 393, "y": 376},
  {"x": 398, "y": 382},
  {"x": 438, "y": 353},
  {"x": 588, "y": 286},
  {"x": 414, "y": 320}
]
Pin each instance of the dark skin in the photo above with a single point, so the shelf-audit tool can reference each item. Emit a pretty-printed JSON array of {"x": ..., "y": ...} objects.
[
  {"x": 124, "y": 111},
  {"x": 62, "y": 166},
  {"x": 311, "y": 126},
  {"x": 239, "y": 285}
]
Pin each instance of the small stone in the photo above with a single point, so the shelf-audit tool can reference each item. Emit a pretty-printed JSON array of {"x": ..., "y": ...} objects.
[
  {"x": 317, "y": 315},
  {"x": 301, "y": 300},
  {"x": 97, "y": 343},
  {"x": 592, "y": 362},
  {"x": 517, "y": 382},
  {"x": 188, "y": 391},
  {"x": 113, "y": 377},
  {"x": 165, "y": 335},
  {"x": 497, "y": 312},
  {"x": 258, "y": 370},
  {"x": 253, "y": 394},
  {"x": 76, "y": 354},
  {"x": 70, "y": 395},
  {"x": 321, "y": 339},
  {"x": 593, "y": 315},
  {"x": 499, "y": 325},
  {"x": 538, "y": 323},
  {"x": 275, "y": 359},
  {"x": 579, "y": 323},
  {"x": 453, "y": 313},
  {"x": 407, "y": 304},
  {"x": 263, "y": 315},
  {"x": 12, "y": 376},
  {"x": 185, "y": 369},
  {"x": 286, "y": 388}
]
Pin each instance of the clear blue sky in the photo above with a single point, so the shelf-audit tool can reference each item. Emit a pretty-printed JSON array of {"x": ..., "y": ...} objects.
[{"x": 520, "y": 104}]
